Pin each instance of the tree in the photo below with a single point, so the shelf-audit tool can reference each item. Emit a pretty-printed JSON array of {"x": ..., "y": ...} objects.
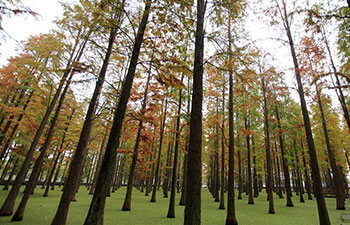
[
  {"x": 96, "y": 211},
  {"x": 194, "y": 164},
  {"x": 317, "y": 185}
]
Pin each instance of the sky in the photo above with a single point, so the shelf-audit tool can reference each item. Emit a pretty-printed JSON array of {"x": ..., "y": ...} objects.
[{"x": 19, "y": 28}]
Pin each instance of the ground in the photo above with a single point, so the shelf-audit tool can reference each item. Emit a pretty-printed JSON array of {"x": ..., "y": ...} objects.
[{"x": 40, "y": 210}]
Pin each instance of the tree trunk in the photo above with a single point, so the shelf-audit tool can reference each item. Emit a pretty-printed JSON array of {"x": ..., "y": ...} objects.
[
  {"x": 171, "y": 210},
  {"x": 14, "y": 129},
  {"x": 317, "y": 184},
  {"x": 79, "y": 157},
  {"x": 299, "y": 176},
  {"x": 284, "y": 162},
  {"x": 194, "y": 167},
  {"x": 7, "y": 207},
  {"x": 6, "y": 186},
  {"x": 337, "y": 176},
  {"x": 98, "y": 165},
  {"x": 60, "y": 150},
  {"x": 249, "y": 169},
  {"x": 96, "y": 211},
  {"x": 280, "y": 194},
  {"x": 267, "y": 149},
  {"x": 231, "y": 212},
  {"x": 132, "y": 172},
  {"x": 38, "y": 163},
  {"x": 306, "y": 175},
  {"x": 222, "y": 190},
  {"x": 156, "y": 176}
]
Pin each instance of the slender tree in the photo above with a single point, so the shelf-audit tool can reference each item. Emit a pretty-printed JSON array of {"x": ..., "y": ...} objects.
[
  {"x": 96, "y": 211},
  {"x": 194, "y": 165}
]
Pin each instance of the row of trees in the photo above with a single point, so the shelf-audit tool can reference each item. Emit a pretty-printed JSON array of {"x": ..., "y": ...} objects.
[{"x": 144, "y": 126}]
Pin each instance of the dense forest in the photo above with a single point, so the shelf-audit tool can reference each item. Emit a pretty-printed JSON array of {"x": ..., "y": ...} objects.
[{"x": 173, "y": 99}]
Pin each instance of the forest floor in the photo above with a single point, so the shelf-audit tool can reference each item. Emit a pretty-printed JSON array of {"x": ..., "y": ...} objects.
[{"x": 40, "y": 210}]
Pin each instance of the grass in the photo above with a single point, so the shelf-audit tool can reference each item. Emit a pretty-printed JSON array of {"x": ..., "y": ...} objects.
[{"x": 40, "y": 210}]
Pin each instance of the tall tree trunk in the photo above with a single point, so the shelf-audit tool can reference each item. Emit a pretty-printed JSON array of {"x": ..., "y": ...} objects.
[
  {"x": 127, "y": 200},
  {"x": 53, "y": 183},
  {"x": 284, "y": 161},
  {"x": 60, "y": 150},
  {"x": 98, "y": 165},
  {"x": 231, "y": 212},
  {"x": 267, "y": 149},
  {"x": 79, "y": 157},
  {"x": 38, "y": 163},
  {"x": 306, "y": 174},
  {"x": 340, "y": 93},
  {"x": 7, "y": 166},
  {"x": 280, "y": 194},
  {"x": 14, "y": 168},
  {"x": 152, "y": 157},
  {"x": 96, "y": 211},
  {"x": 249, "y": 169},
  {"x": 240, "y": 179},
  {"x": 156, "y": 176},
  {"x": 299, "y": 176},
  {"x": 7, "y": 207},
  {"x": 194, "y": 167},
  {"x": 171, "y": 210},
  {"x": 255, "y": 182},
  {"x": 317, "y": 184},
  {"x": 184, "y": 176},
  {"x": 337, "y": 176},
  {"x": 167, "y": 170},
  {"x": 222, "y": 190},
  {"x": 14, "y": 129}
]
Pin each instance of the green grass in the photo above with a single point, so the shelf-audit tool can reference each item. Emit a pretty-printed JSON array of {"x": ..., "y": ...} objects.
[{"x": 40, "y": 210}]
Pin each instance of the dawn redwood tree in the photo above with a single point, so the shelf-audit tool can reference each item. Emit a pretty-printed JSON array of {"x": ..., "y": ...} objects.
[
  {"x": 127, "y": 200},
  {"x": 249, "y": 168},
  {"x": 310, "y": 59},
  {"x": 267, "y": 147},
  {"x": 194, "y": 164},
  {"x": 96, "y": 211},
  {"x": 231, "y": 212},
  {"x": 171, "y": 210},
  {"x": 316, "y": 177},
  {"x": 38, "y": 163},
  {"x": 56, "y": 160},
  {"x": 157, "y": 168},
  {"x": 73, "y": 178},
  {"x": 284, "y": 160},
  {"x": 222, "y": 190},
  {"x": 7, "y": 207}
]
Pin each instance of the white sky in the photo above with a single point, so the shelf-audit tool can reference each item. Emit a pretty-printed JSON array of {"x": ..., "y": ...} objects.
[{"x": 19, "y": 28}]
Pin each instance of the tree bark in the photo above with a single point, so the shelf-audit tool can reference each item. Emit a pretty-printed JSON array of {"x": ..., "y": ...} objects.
[
  {"x": 231, "y": 212},
  {"x": 132, "y": 172},
  {"x": 171, "y": 210},
  {"x": 249, "y": 169},
  {"x": 194, "y": 167},
  {"x": 267, "y": 149},
  {"x": 156, "y": 176},
  {"x": 79, "y": 157},
  {"x": 222, "y": 190},
  {"x": 38, "y": 163},
  {"x": 284, "y": 161},
  {"x": 317, "y": 184},
  {"x": 6, "y": 186},
  {"x": 337, "y": 176},
  {"x": 7, "y": 207},
  {"x": 96, "y": 211}
]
